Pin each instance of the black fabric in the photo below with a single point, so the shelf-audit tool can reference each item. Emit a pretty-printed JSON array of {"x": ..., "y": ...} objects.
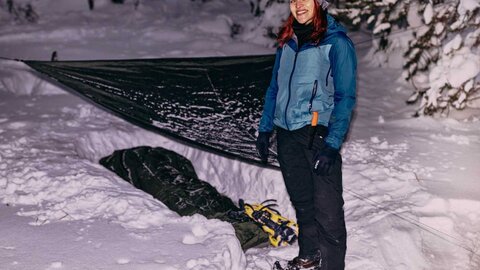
[
  {"x": 303, "y": 32},
  {"x": 171, "y": 178},
  {"x": 212, "y": 103},
  {"x": 317, "y": 199}
]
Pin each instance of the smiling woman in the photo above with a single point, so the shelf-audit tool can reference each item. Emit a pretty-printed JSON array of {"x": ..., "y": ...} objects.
[
  {"x": 309, "y": 102},
  {"x": 303, "y": 10},
  {"x": 309, "y": 19}
]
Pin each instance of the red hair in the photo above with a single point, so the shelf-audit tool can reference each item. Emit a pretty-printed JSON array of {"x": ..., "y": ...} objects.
[{"x": 319, "y": 26}]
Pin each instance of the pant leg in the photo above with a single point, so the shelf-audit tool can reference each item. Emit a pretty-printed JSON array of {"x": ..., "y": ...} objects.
[
  {"x": 329, "y": 215},
  {"x": 297, "y": 175}
]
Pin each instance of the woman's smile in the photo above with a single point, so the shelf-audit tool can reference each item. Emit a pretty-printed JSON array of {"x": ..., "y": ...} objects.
[{"x": 303, "y": 10}]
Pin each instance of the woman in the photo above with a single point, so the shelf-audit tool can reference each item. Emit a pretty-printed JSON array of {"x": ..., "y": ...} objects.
[{"x": 310, "y": 101}]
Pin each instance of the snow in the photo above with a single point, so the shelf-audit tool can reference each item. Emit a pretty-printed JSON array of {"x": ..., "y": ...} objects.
[
  {"x": 467, "y": 6},
  {"x": 21, "y": 80},
  {"x": 410, "y": 184},
  {"x": 381, "y": 27},
  {"x": 413, "y": 18},
  {"x": 428, "y": 13},
  {"x": 255, "y": 28},
  {"x": 426, "y": 52},
  {"x": 453, "y": 45},
  {"x": 455, "y": 69}
]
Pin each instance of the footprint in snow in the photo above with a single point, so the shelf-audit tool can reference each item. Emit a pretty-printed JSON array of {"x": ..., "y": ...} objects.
[
  {"x": 17, "y": 125},
  {"x": 123, "y": 261},
  {"x": 56, "y": 265}
]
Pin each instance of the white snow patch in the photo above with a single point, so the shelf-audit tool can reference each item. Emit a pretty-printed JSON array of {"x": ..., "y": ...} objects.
[
  {"x": 17, "y": 78},
  {"x": 428, "y": 13}
]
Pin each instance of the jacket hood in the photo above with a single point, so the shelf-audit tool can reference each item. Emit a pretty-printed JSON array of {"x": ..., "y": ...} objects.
[{"x": 333, "y": 27}]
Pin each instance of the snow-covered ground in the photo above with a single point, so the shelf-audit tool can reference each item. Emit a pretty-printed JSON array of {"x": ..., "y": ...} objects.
[{"x": 411, "y": 184}]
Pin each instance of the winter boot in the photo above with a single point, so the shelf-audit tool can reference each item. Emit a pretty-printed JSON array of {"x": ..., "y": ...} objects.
[{"x": 312, "y": 263}]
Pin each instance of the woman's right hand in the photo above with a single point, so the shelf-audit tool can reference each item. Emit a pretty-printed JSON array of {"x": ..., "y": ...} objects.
[{"x": 262, "y": 144}]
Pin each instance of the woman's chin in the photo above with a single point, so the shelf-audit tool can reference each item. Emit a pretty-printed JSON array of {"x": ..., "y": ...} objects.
[{"x": 303, "y": 20}]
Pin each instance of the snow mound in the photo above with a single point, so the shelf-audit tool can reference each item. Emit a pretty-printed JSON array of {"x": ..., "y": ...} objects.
[
  {"x": 19, "y": 79},
  {"x": 66, "y": 184}
]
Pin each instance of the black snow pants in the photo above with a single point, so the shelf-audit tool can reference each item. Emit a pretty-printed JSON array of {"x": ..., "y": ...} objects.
[{"x": 317, "y": 200}]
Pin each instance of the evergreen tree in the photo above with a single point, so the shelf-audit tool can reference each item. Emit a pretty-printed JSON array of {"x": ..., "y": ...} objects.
[
  {"x": 270, "y": 15},
  {"x": 258, "y": 6},
  {"x": 441, "y": 59},
  {"x": 21, "y": 12},
  {"x": 445, "y": 51}
]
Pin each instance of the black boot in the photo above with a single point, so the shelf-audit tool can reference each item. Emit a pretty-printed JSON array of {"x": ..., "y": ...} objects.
[{"x": 310, "y": 263}]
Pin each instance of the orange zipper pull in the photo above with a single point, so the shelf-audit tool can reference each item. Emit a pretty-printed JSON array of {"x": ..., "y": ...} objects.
[
  {"x": 313, "y": 129},
  {"x": 314, "y": 119}
]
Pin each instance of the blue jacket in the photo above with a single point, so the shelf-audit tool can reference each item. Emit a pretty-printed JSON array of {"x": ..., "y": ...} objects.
[{"x": 317, "y": 77}]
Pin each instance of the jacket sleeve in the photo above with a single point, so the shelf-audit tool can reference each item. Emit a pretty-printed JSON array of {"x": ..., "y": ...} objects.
[
  {"x": 266, "y": 122},
  {"x": 344, "y": 69}
]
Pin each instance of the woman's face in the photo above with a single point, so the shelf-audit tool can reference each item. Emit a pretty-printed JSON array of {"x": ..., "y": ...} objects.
[{"x": 303, "y": 10}]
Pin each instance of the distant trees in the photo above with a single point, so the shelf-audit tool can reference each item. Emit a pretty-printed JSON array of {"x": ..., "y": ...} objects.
[
  {"x": 257, "y": 7},
  {"x": 91, "y": 3},
  {"x": 10, "y": 6},
  {"x": 22, "y": 12},
  {"x": 269, "y": 17}
]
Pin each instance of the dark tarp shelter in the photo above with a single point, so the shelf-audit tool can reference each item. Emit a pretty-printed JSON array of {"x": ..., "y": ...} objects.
[
  {"x": 213, "y": 103},
  {"x": 171, "y": 178}
]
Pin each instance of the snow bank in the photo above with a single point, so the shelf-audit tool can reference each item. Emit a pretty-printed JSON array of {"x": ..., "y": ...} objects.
[
  {"x": 59, "y": 180},
  {"x": 19, "y": 79},
  {"x": 55, "y": 182}
]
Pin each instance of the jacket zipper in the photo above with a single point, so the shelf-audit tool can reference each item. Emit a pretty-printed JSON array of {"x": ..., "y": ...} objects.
[
  {"x": 290, "y": 88},
  {"x": 314, "y": 93},
  {"x": 328, "y": 73}
]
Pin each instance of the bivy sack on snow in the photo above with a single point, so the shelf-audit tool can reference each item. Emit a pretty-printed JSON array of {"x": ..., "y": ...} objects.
[
  {"x": 171, "y": 178},
  {"x": 214, "y": 103}
]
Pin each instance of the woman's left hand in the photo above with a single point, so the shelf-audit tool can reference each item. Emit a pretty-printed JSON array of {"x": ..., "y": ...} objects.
[{"x": 324, "y": 159}]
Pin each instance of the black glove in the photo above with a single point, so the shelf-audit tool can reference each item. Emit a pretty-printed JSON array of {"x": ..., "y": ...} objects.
[
  {"x": 262, "y": 144},
  {"x": 323, "y": 160}
]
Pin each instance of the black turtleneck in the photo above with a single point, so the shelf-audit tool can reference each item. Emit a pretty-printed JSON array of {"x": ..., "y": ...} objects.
[{"x": 302, "y": 31}]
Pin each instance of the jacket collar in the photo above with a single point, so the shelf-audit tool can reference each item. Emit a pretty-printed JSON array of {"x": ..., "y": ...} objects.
[{"x": 293, "y": 43}]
